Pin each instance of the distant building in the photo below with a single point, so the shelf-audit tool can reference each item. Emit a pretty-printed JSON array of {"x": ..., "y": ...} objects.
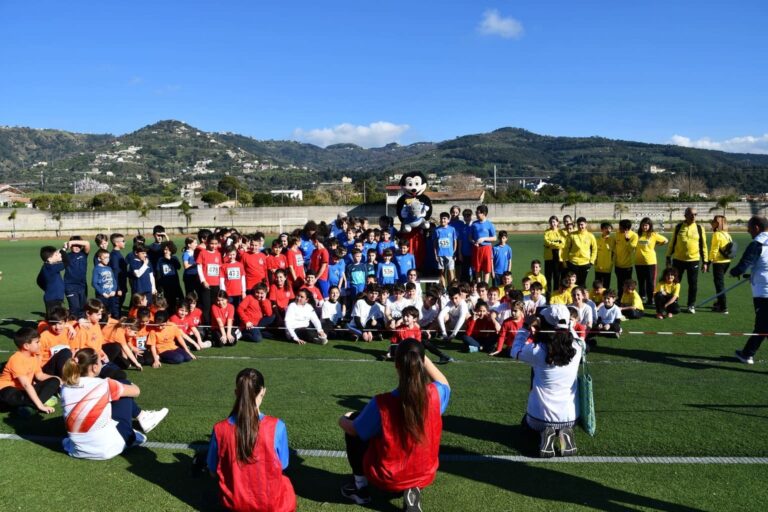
[
  {"x": 293, "y": 195},
  {"x": 10, "y": 195},
  {"x": 656, "y": 170}
]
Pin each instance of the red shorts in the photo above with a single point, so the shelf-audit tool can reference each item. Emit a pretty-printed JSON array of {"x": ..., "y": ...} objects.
[{"x": 482, "y": 258}]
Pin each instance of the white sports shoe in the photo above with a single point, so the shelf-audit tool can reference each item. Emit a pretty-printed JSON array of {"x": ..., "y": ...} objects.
[{"x": 150, "y": 419}]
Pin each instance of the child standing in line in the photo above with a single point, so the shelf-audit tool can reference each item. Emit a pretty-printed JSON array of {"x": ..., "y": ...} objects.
[
  {"x": 666, "y": 294},
  {"x": 233, "y": 277},
  {"x": 386, "y": 273},
  {"x": 167, "y": 271},
  {"x": 120, "y": 269},
  {"x": 371, "y": 265},
  {"x": 249, "y": 452},
  {"x": 49, "y": 278},
  {"x": 631, "y": 304},
  {"x": 336, "y": 274},
  {"x": 355, "y": 277},
  {"x": 404, "y": 261},
  {"x": 254, "y": 261},
  {"x": 645, "y": 258},
  {"x": 609, "y": 316},
  {"x": 209, "y": 271},
  {"x": 606, "y": 253},
  {"x": 502, "y": 258},
  {"x": 319, "y": 264},
  {"x": 276, "y": 260},
  {"x": 482, "y": 234},
  {"x": 142, "y": 277},
  {"x": 190, "y": 277},
  {"x": 222, "y": 321},
  {"x": 162, "y": 343},
  {"x": 720, "y": 259},
  {"x": 295, "y": 260},
  {"x": 23, "y": 383},
  {"x": 75, "y": 274},
  {"x": 105, "y": 284},
  {"x": 626, "y": 242},
  {"x": 446, "y": 245},
  {"x": 386, "y": 242},
  {"x": 281, "y": 295}
]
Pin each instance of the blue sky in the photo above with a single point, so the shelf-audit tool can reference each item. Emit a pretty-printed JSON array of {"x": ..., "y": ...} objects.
[{"x": 693, "y": 73}]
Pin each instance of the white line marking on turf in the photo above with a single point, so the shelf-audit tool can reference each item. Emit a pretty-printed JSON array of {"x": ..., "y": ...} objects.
[{"x": 448, "y": 457}]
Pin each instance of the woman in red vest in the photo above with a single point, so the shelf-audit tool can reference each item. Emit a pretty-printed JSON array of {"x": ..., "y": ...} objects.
[
  {"x": 393, "y": 443},
  {"x": 249, "y": 451}
]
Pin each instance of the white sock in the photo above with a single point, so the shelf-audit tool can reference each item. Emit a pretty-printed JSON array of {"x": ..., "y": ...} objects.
[{"x": 360, "y": 481}]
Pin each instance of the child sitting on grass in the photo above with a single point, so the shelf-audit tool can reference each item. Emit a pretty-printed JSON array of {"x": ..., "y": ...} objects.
[
  {"x": 223, "y": 331},
  {"x": 508, "y": 330},
  {"x": 23, "y": 383},
  {"x": 482, "y": 330},
  {"x": 162, "y": 342},
  {"x": 666, "y": 294},
  {"x": 631, "y": 303},
  {"x": 609, "y": 316}
]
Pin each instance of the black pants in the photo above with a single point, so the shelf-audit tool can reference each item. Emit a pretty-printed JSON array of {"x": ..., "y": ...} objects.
[
  {"x": 622, "y": 275},
  {"x": 646, "y": 280},
  {"x": 581, "y": 272},
  {"x": 192, "y": 284},
  {"x": 633, "y": 314},
  {"x": 55, "y": 365},
  {"x": 207, "y": 299},
  {"x": 356, "y": 448},
  {"x": 660, "y": 300},
  {"x": 692, "y": 268},
  {"x": 552, "y": 273},
  {"x": 309, "y": 334},
  {"x": 429, "y": 345},
  {"x": 613, "y": 330},
  {"x": 761, "y": 326},
  {"x": 718, "y": 274},
  {"x": 605, "y": 277},
  {"x": 76, "y": 298},
  {"x": 13, "y": 398}
]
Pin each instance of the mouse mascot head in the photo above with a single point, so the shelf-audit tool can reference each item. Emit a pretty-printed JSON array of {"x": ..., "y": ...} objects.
[{"x": 414, "y": 208}]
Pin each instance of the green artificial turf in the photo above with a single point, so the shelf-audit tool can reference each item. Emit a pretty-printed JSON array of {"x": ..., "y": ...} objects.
[{"x": 655, "y": 396}]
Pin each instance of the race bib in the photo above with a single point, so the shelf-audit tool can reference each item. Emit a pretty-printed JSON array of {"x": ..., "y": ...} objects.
[
  {"x": 388, "y": 272},
  {"x": 141, "y": 342},
  {"x": 299, "y": 260},
  {"x": 213, "y": 269},
  {"x": 167, "y": 270},
  {"x": 444, "y": 243},
  {"x": 58, "y": 348},
  {"x": 233, "y": 274}
]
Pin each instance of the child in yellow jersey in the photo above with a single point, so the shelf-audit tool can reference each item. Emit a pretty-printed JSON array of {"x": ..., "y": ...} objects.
[
  {"x": 606, "y": 254},
  {"x": 645, "y": 258},
  {"x": 720, "y": 258},
  {"x": 666, "y": 294},
  {"x": 536, "y": 276},
  {"x": 631, "y": 304},
  {"x": 626, "y": 242},
  {"x": 597, "y": 291},
  {"x": 563, "y": 294}
]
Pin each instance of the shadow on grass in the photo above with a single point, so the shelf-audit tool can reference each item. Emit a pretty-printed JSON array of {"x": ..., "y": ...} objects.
[
  {"x": 678, "y": 360},
  {"x": 9, "y": 326},
  {"x": 373, "y": 352},
  {"x": 516, "y": 437},
  {"x": 175, "y": 478},
  {"x": 37, "y": 428},
  {"x": 352, "y": 402},
  {"x": 728, "y": 409},
  {"x": 545, "y": 483}
]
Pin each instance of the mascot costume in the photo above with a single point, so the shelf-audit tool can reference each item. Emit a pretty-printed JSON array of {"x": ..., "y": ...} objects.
[{"x": 414, "y": 209}]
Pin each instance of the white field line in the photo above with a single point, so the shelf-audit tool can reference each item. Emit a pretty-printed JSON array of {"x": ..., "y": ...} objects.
[{"x": 339, "y": 454}]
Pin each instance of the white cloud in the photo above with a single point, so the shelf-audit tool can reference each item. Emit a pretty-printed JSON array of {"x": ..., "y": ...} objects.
[
  {"x": 493, "y": 24},
  {"x": 746, "y": 144},
  {"x": 374, "y": 135}
]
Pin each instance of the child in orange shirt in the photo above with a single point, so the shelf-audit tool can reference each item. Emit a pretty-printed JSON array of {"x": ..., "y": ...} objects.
[
  {"x": 23, "y": 382},
  {"x": 89, "y": 335},
  {"x": 117, "y": 334},
  {"x": 54, "y": 342},
  {"x": 162, "y": 343}
]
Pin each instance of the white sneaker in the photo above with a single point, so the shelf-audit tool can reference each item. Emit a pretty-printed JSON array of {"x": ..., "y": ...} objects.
[
  {"x": 150, "y": 419},
  {"x": 139, "y": 439},
  {"x": 206, "y": 344},
  {"x": 692, "y": 310},
  {"x": 743, "y": 358}
]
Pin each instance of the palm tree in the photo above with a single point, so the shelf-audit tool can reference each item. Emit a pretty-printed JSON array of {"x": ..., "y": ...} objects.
[
  {"x": 186, "y": 211},
  {"x": 572, "y": 199},
  {"x": 143, "y": 210},
  {"x": 56, "y": 215},
  {"x": 231, "y": 212},
  {"x": 12, "y": 218},
  {"x": 724, "y": 203},
  {"x": 619, "y": 209}
]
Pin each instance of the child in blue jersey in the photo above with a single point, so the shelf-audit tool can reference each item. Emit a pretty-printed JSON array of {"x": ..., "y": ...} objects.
[
  {"x": 336, "y": 269},
  {"x": 404, "y": 261},
  {"x": 104, "y": 284},
  {"x": 356, "y": 274},
  {"x": 385, "y": 243},
  {"x": 357, "y": 243},
  {"x": 371, "y": 264},
  {"x": 482, "y": 234},
  {"x": 446, "y": 244},
  {"x": 370, "y": 241},
  {"x": 141, "y": 275},
  {"x": 386, "y": 273},
  {"x": 49, "y": 278},
  {"x": 75, "y": 275},
  {"x": 119, "y": 267},
  {"x": 502, "y": 258}
]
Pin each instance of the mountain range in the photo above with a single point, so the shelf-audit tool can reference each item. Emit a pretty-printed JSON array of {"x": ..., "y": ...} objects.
[{"x": 169, "y": 154}]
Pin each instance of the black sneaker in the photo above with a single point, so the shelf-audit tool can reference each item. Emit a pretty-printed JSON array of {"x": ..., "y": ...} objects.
[
  {"x": 547, "y": 444},
  {"x": 567, "y": 446},
  {"x": 744, "y": 358},
  {"x": 412, "y": 500},
  {"x": 360, "y": 496}
]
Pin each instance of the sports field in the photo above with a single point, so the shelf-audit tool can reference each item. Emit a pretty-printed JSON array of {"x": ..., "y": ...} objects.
[{"x": 664, "y": 404}]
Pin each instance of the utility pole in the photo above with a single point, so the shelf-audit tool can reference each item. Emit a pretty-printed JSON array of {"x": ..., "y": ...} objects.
[{"x": 494, "y": 180}]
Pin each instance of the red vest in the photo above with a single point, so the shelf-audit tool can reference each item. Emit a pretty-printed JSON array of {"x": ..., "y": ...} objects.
[
  {"x": 257, "y": 487},
  {"x": 394, "y": 466}
]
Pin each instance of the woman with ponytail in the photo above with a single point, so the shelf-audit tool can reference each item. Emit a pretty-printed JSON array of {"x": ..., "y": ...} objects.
[
  {"x": 249, "y": 451},
  {"x": 99, "y": 413},
  {"x": 393, "y": 443}
]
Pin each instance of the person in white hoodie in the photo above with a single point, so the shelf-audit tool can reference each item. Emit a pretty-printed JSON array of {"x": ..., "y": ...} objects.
[
  {"x": 298, "y": 317},
  {"x": 755, "y": 260},
  {"x": 553, "y": 401}
]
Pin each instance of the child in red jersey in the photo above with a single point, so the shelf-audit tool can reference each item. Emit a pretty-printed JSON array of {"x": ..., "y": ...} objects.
[
  {"x": 254, "y": 261},
  {"x": 408, "y": 329},
  {"x": 295, "y": 259},
  {"x": 276, "y": 260},
  {"x": 508, "y": 330},
  {"x": 209, "y": 270},
  {"x": 223, "y": 317},
  {"x": 280, "y": 293},
  {"x": 186, "y": 324},
  {"x": 256, "y": 314},
  {"x": 310, "y": 286},
  {"x": 233, "y": 277}
]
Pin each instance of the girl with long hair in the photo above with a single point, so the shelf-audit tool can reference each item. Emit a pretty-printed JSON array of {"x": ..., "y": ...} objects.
[
  {"x": 249, "y": 451},
  {"x": 98, "y": 413},
  {"x": 720, "y": 260},
  {"x": 552, "y": 403},
  {"x": 393, "y": 442},
  {"x": 645, "y": 258}
]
